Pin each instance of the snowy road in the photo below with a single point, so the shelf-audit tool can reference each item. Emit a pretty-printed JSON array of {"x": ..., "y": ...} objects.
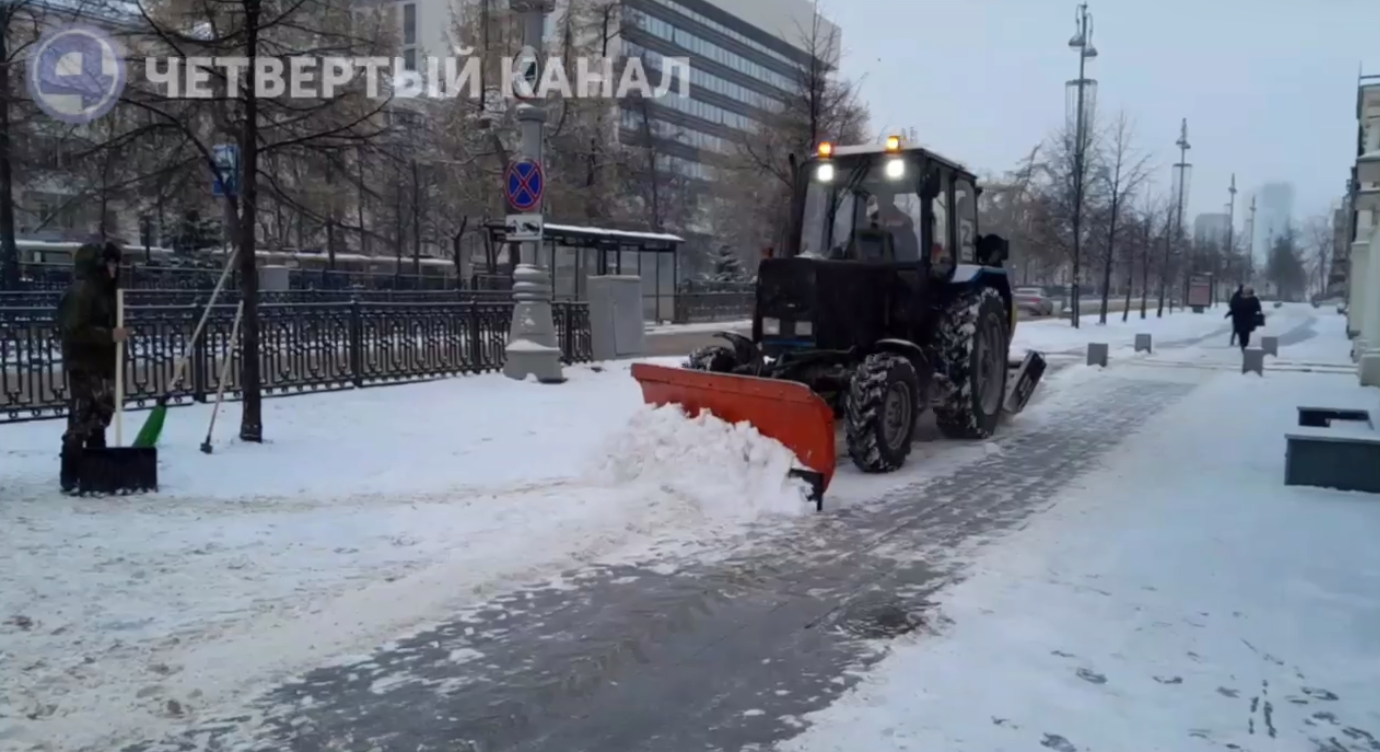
[
  {"x": 685, "y": 654},
  {"x": 732, "y": 636}
]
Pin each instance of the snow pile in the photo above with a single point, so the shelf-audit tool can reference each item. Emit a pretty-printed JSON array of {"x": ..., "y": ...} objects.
[{"x": 725, "y": 470}]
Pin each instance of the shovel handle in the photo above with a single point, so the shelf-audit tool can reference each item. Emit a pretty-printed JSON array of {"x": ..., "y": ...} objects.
[{"x": 119, "y": 369}]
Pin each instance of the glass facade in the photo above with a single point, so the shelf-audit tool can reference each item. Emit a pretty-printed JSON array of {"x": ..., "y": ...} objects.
[{"x": 715, "y": 102}]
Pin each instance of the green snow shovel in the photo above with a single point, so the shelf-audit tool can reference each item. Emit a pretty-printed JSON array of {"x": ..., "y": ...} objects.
[{"x": 153, "y": 426}]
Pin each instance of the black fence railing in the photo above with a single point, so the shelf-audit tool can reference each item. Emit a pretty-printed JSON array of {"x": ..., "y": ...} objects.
[
  {"x": 692, "y": 307},
  {"x": 180, "y": 297},
  {"x": 303, "y": 347},
  {"x": 138, "y": 276}
]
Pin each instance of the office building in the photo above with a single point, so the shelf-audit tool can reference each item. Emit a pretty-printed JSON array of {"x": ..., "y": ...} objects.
[
  {"x": 746, "y": 59},
  {"x": 1211, "y": 229},
  {"x": 1275, "y": 202}
]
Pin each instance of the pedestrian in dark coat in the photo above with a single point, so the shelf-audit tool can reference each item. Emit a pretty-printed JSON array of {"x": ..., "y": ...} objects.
[
  {"x": 1246, "y": 316},
  {"x": 87, "y": 318},
  {"x": 1231, "y": 304}
]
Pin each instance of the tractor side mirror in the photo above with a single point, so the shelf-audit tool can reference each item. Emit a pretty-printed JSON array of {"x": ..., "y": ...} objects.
[{"x": 993, "y": 250}]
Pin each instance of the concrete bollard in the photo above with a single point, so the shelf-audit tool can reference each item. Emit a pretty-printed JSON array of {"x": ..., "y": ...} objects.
[
  {"x": 1270, "y": 345},
  {"x": 1097, "y": 354},
  {"x": 1143, "y": 343},
  {"x": 1253, "y": 359}
]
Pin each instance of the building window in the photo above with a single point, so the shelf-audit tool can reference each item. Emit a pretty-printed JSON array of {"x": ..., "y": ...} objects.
[
  {"x": 410, "y": 58},
  {"x": 409, "y": 23}
]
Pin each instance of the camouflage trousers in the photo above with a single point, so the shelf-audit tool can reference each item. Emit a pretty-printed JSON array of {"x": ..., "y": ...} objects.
[{"x": 89, "y": 411}]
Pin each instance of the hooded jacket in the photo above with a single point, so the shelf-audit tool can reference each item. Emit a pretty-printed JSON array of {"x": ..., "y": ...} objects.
[{"x": 86, "y": 314}]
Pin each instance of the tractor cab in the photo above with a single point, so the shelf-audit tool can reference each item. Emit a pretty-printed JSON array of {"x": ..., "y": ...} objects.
[{"x": 889, "y": 204}]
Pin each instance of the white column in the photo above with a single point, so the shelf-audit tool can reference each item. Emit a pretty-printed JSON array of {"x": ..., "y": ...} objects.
[
  {"x": 1356, "y": 284},
  {"x": 1369, "y": 343}
]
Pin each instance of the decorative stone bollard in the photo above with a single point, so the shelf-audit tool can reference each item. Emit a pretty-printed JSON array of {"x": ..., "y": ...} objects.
[
  {"x": 1097, "y": 354},
  {"x": 1253, "y": 359},
  {"x": 1143, "y": 343},
  {"x": 1270, "y": 345}
]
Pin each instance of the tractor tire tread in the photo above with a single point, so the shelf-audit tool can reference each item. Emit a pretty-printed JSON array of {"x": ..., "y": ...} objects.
[
  {"x": 956, "y": 412},
  {"x": 863, "y": 411}
]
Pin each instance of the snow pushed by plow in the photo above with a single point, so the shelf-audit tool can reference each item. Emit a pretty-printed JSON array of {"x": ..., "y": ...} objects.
[{"x": 725, "y": 470}]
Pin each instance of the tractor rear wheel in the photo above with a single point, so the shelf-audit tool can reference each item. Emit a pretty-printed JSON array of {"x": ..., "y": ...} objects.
[
  {"x": 712, "y": 358},
  {"x": 879, "y": 412},
  {"x": 973, "y": 340}
]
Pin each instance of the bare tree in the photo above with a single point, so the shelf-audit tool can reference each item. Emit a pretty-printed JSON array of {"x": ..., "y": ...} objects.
[
  {"x": 819, "y": 105},
  {"x": 1320, "y": 237},
  {"x": 1123, "y": 174},
  {"x": 321, "y": 127}
]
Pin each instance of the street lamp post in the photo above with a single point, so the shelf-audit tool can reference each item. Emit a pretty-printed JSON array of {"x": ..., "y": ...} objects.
[
  {"x": 1172, "y": 238},
  {"x": 532, "y": 345},
  {"x": 1231, "y": 226},
  {"x": 1082, "y": 42}
]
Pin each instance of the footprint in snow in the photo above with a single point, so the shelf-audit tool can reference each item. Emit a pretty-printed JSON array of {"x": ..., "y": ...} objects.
[
  {"x": 1091, "y": 676},
  {"x": 1225, "y": 692},
  {"x": 1319, "y": 694},
  {"x": 1169, "y": 679},
  {"x": 1058, "y": 743}
]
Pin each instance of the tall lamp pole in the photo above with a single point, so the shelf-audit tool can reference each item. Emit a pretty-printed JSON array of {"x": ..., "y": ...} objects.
[
  {"x": 1231, "y": 226},
  {"x": 1082, "y": 42},
  {"x": 1174, "y": 237}
]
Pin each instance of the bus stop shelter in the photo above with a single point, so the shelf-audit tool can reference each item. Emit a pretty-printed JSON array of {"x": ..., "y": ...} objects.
[{"x": 572, "y": 254}]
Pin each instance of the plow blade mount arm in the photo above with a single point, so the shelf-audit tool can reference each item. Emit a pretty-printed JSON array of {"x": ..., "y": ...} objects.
[
  {"x": 781, "y": 410},
  {"x": 1027, "y": 378}
]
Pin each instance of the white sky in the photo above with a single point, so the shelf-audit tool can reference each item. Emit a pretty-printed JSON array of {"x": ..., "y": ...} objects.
[{"x": 1268, "y": 86}]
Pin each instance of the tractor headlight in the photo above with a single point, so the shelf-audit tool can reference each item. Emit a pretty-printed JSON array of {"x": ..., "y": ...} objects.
[
  {"x": 771, "y": 326},
  {"x": 825, "y": 173},
  {"x": 895, "y": 169},
  {"x": 804, "y": 329}
]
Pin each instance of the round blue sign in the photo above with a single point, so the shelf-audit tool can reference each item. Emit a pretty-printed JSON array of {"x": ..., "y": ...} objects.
[
  {"x": 76, "y": 74},
  {"x": 523, "y": 184}
]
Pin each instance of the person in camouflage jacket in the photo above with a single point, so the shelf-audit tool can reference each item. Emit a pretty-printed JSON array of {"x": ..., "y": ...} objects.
[{"x": 87, "y": 318}]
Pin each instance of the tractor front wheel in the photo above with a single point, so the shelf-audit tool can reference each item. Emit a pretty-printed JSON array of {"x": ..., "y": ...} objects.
[
  {"x": 879, "y": 412},
  {"x": 973, "y": 340}
]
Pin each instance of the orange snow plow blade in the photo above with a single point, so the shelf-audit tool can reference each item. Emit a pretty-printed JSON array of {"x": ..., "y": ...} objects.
[{"x": 781, "y": 410}]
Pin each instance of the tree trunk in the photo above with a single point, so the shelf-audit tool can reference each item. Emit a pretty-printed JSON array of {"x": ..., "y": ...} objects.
[
  {"x": 251, "y": 420},
  {"x": 9, "y": 251},
  {"x": 1111, "y": 246},
  {"x": 416, "y": 224}
]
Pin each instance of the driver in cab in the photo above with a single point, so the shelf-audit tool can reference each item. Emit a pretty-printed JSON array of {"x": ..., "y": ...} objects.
[{"x": 886, "y": 215}]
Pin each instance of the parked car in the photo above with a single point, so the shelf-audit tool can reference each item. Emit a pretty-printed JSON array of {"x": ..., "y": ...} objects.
[{"x": 1033, "y": 300}]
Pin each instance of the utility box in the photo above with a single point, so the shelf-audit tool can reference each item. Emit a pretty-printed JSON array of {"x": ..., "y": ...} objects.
[
  {"x": 615, "y": 317},
  {"x": 274, "y": 279}
]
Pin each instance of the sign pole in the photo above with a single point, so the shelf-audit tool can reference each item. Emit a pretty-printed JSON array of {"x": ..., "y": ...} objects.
[{"x": 533, "y": 349}]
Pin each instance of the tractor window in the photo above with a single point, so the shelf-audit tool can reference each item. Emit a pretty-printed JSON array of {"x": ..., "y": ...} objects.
[
  {"x": 965, "y": 211},
  {"x": 941, "y": 246},
  {"x": 861, "y": 213}
]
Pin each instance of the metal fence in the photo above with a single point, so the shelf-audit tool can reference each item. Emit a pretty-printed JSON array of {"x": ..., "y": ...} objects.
[
  {"x": 693, "y": 307},
  {"x": 303, "y": 347},
  {"x": 50, "y": 276}
]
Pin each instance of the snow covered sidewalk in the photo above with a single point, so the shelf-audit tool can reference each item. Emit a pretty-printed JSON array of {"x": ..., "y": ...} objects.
[
  {"x": 1183, "y": 599},
  {"x": 364, "y": 515}
]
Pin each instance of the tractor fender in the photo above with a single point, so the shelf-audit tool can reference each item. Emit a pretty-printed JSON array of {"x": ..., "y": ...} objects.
[
  {"x": 969, "y": 276},
  {"x": 916, "y": 353},
  {"x": 745, "y": 351}
]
